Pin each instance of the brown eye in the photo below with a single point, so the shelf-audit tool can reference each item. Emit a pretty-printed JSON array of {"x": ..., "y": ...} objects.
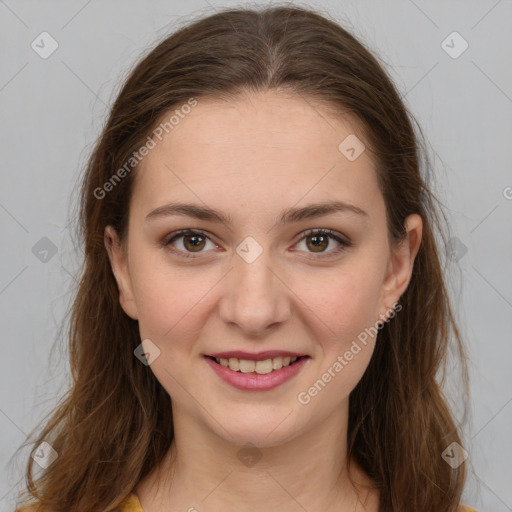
[
  {"x": 318, "y": 243},
  {"x": 193, "y": 242},
  {"x": 186, "y": 243}
]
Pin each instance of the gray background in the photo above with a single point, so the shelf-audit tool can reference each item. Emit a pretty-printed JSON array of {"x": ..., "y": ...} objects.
[{"x": 51, "y": 111}]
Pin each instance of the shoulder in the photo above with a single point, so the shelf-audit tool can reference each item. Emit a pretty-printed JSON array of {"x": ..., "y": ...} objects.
[{"x": 129, "y": 504}]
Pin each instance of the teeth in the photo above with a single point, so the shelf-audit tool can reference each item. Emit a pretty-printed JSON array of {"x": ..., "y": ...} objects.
[{"x": 260, "y": 367}]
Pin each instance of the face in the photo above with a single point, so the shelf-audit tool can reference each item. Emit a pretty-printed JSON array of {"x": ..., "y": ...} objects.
[{"x": 261, "y": 279}]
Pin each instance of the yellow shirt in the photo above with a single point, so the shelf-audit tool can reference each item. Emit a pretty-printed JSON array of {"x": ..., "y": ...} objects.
[{"x": 132, "y": 504}]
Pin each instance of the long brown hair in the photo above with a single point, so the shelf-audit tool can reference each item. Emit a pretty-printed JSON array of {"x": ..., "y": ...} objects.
[{"x": 115, "y": 423}]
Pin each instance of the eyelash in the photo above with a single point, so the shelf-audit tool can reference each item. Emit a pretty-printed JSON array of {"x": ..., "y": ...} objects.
[{"x": 344, "y": 244}]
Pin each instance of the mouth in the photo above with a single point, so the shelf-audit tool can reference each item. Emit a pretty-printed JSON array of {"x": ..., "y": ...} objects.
[
  {"x": 257, "y": 372},
  {"x": 257, "y": 366}
]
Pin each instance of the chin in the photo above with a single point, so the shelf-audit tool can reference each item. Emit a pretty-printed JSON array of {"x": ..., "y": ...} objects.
[{"x": 260, "y": 430}]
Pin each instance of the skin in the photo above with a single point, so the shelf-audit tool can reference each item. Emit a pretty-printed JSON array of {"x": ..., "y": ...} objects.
[{"x": 252, "y": 158}]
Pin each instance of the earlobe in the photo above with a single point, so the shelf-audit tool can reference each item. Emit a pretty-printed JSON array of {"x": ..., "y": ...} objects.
[
  {"x": 401, "y": 262},
  {"x": 119, "y": 264}
]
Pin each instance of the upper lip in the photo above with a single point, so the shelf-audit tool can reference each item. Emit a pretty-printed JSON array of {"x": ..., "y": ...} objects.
[{"x": 258, "y": 356}]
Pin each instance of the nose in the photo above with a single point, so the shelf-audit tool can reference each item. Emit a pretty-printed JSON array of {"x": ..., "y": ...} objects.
[{"x": 255, "y": 297}]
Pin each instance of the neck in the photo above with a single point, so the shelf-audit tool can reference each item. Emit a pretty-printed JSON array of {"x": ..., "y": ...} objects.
[{"x": 308, "y": 472}]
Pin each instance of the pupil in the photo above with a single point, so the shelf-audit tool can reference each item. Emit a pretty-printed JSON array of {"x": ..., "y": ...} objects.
[
  {"x": 197, "y": 239},
  {"x": 317, "y": 240}
]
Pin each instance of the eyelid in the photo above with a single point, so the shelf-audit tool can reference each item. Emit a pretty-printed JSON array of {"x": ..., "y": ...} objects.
[
  {"x": 342, "y": 240},
  {"x": 167, "y": 241},
  {"x": 333, "y": 235}
]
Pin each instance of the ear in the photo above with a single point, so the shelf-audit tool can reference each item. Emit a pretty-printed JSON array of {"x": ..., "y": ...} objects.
[
  {"x": 401, "y": 263},
  {"x": 119, "y": 263}
]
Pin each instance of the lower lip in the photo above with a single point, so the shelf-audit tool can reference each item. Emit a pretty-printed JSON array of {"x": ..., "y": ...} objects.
[{"x": 254, "y": 381}]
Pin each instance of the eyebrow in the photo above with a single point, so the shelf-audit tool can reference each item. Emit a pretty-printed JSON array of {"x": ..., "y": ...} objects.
[{"x": 287, "y": 216}]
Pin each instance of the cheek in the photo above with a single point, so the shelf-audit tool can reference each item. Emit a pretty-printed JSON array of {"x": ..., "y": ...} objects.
[
  {"x": 346, "y": 302},
  {"x": 169, "y": 298},
  {"x": 346, "y": 335}
]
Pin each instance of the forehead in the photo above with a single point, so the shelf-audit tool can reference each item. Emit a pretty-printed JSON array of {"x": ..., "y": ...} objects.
[
  {"x": 256, "y": 150},
  {"x": 272, "y": 118}
]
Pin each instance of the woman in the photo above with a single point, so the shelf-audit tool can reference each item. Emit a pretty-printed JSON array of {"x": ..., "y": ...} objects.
[{"x": 262, "y": 312}]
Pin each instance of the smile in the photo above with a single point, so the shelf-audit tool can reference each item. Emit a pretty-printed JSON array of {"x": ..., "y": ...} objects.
[
  {"x": 259, "y": 367},
  {"x": 257, "y": 374}
]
